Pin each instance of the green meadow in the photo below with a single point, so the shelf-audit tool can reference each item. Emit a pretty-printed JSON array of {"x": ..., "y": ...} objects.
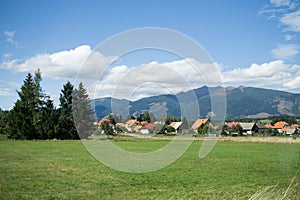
[{"x": 232, "y": 170}]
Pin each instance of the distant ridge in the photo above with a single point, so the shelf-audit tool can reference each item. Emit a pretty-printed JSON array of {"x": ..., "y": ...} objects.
[{"x": 242, "y": 102}]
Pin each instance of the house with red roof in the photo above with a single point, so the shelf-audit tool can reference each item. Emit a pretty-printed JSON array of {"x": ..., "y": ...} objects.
[
  {"x": 100, "y": 121},
  {"x": 146, "y": 126},
  {"x": 232, "y": 124},
  {"x": 280, "y": 125},
  {"x": 268, "y": 126},
  {"x": 200, "y": 123}
]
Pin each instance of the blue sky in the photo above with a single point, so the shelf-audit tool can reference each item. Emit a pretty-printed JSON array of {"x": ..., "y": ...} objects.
[{"x": 254, "y": 43}]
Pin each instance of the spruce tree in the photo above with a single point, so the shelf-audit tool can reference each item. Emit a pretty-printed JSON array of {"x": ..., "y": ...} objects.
[
  {"x": 83, "y": 113},
  {"x": 49, "y": 120},
  {"x": 21, "y": 123},
  {"x": 4, "y": 117},
  {"x": 28, "y": 118},
  {"x": 66, "y": 128},
  {"x": 44, "y": 115}
]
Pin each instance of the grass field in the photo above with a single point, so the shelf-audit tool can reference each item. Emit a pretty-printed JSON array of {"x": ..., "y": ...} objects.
[{"x": 233, "y": 170}]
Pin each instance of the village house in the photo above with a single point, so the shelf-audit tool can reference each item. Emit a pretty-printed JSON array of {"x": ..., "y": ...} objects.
[
  {"x": 133, "y": 126},
  {"x": 268, "y": 126},
  {"x": 279, "y": 126},
  {"x": 146, "y": 126},
  {"x": 120, "y": 124},
  {"x": 177, "y": 126},
  {"x": 100, "y": 121},
  {"x": 232, "y": 124},
  {"x": 200, "y": 123},
  {"x": 295, "y": 126},
  {"x": 288, "y": 130},
  {"x": 249, "y": 128}
]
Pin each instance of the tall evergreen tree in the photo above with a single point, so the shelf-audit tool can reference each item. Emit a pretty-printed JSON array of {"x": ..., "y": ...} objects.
[
  {"x": 44, "y": 117},
  {"x": 4, "y": 116},
  {"x": 83, "y": 113},
  {"x": 21, "y": 121},
  {"x": 26, "y": 118},
  {"x": 49, "y": 120},
  {"x": 66, "y": 128}
]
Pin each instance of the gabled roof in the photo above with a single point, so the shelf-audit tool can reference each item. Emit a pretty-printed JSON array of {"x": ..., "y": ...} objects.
[
  {"x": 232, "y": 124},
  {"x": 268, "y": 126},
  {"x": 295, "y": 126},
  {"x": 176, "y": 125},
  {"x": 120, "y": 124},
  {"x": 131, "y": 122},
  {"x": 280, "y": 125},
  {"x": 260, "y": 126},
  {"x": 200, "y": 122},
  {"x": 148, "y": 125},
  {"x": 103, "y": 120},
  {"x": 145, "y": 123},
  {"x": 247, "y": 126}
]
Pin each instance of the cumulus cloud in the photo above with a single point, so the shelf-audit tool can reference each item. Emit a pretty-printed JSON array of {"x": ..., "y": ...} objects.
[
  {"x": 286, "y": 51},
  {"x": 63, "y": 64},
  {"x": 172, "y": 77},
  {"x": 83, "y": 64},
  {"x": 293, "y": 84},
  {"x": 291, "y": 21},
  {"x": 149, "y": 79},
  {"x": 157, "y": 78},
  {"x": 275, "y": 74}
]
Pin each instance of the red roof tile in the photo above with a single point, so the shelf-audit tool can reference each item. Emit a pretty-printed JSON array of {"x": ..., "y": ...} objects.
[
  {"x": 199, "y": 122},
  {"x": 232, "y": 124},
  {"x": 279, "y": 125}
]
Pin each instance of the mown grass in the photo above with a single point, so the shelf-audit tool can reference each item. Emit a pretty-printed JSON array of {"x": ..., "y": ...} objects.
[{"x": 232, "y": 170}]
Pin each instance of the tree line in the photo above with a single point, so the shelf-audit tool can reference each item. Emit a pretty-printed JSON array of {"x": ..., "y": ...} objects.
[{"x": 34, "y": 115}]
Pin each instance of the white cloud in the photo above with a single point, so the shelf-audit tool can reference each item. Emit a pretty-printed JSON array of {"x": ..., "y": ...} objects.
[
  {"x": 294, "y": 84},
  {"x": 10, "y": 35},
  {"x": 152, "y": 78},
  {"x": 6, "y": 56},
  {"x": 289, "y": 37},
  {"x": 7, "y": 92},
  {"x": 172, "y": 77},
  {"x": 156, "y": 78},
  {"x": 286, "y": 51},
  {"x": 279, "y": 3},
  {"x": 63, "y": 64},
  {"x": 291, "y": 21},
  {"x": 275, "y": 74}
]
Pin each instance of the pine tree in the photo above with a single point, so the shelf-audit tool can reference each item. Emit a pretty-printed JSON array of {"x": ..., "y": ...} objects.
[
  {"x": 66, "y": 128},
  {"x": 83, "y": 113}
]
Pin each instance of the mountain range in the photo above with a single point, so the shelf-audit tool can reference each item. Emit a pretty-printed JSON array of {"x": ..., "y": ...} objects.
[{"x": 241, "y": 102}]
